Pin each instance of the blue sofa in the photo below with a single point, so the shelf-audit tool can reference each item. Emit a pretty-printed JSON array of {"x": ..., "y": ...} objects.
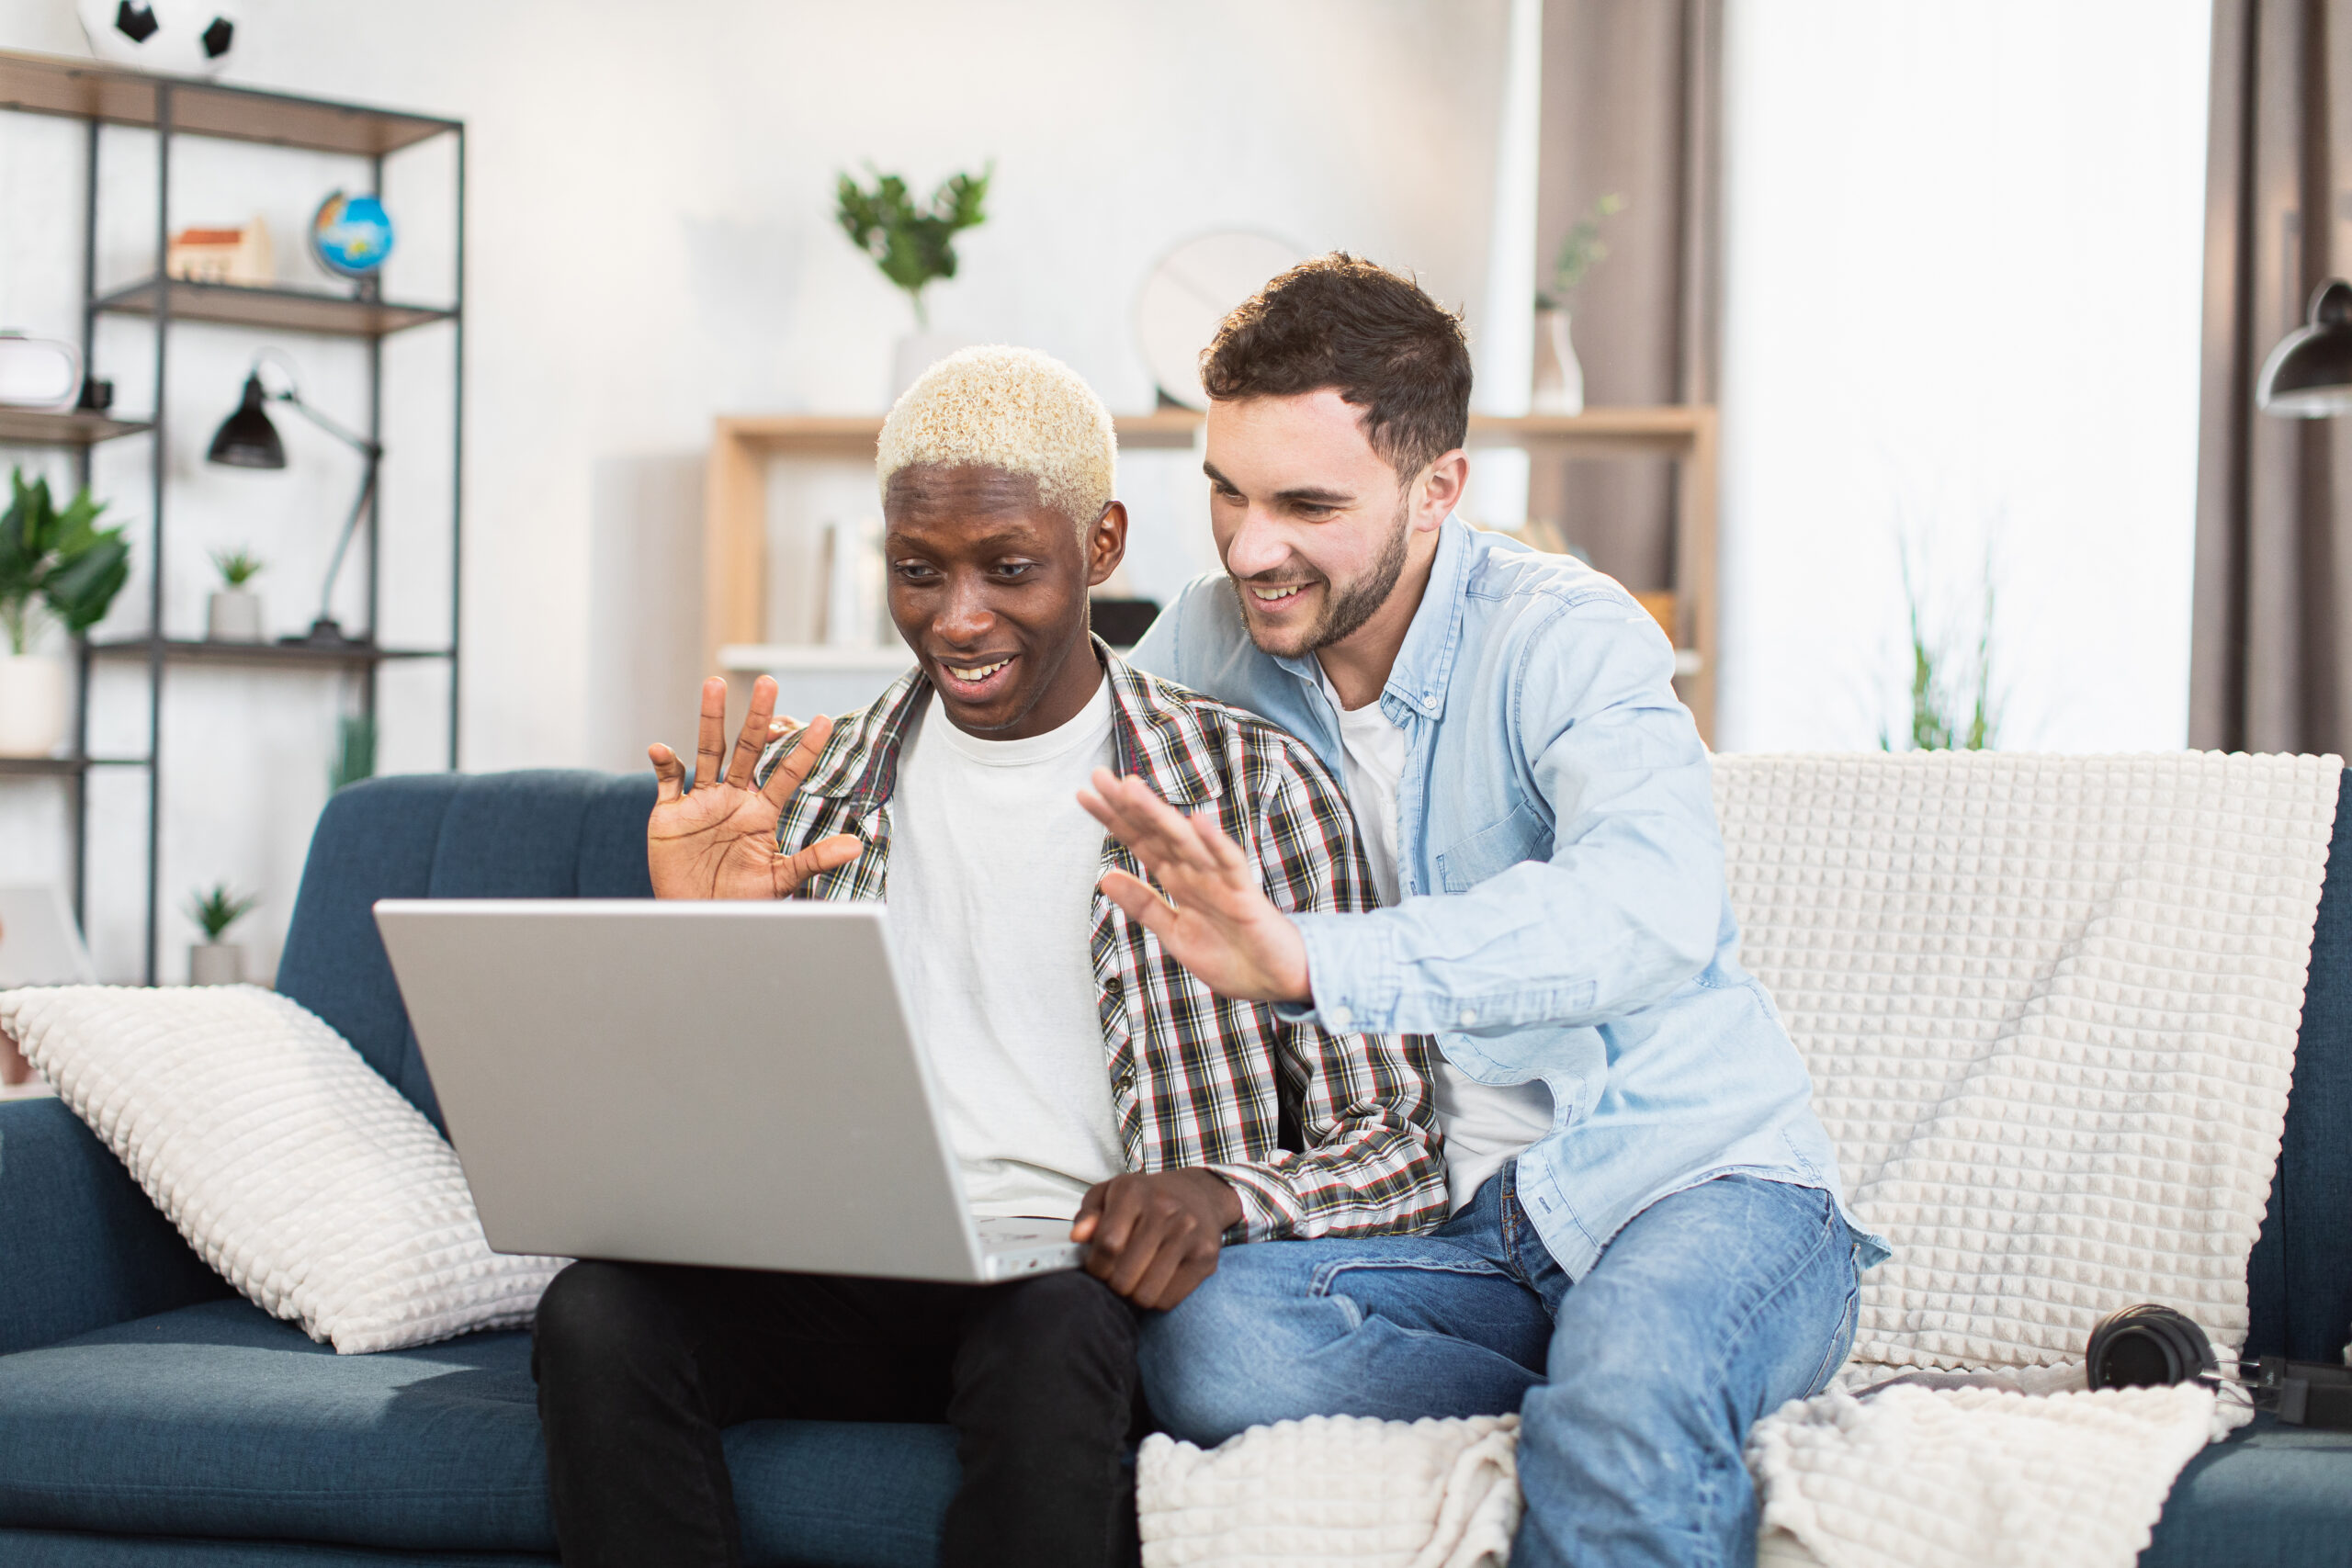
[{"x": 150, "y": 1419}]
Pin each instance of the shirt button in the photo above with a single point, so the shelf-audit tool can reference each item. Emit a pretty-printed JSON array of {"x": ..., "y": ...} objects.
[
  {"x": 1430, "y": 702},
  {"x": 1469, "y": 1017},
  {"x": 1339, "y": 1018}
]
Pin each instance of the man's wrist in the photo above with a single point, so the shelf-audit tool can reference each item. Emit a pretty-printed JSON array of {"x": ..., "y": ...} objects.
[
  {"x": 1227, "y": 1202},
  {"x": 1294, "y": 981}
]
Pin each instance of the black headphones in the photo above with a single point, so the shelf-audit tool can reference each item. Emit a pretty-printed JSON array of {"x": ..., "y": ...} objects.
[{"x": 2149, "y": 1346}]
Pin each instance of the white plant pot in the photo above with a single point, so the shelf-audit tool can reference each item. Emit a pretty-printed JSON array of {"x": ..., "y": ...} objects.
[
  {"x": 36, "y": 704},
  {"x": 232, "y": 614},
  {"x": 215, "y": 964},
  {"x": 917, "y": 353},
  {"x": 1559, "y": 379}
]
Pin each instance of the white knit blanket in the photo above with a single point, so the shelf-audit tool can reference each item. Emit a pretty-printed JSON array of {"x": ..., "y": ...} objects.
[
  {"x": 1334, "y": 1490},
  {"x": 2050, "y": 1006},
  {"x": 1973, "y": 1477}
]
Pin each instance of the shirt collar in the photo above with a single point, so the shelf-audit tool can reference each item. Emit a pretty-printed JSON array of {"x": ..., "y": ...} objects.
[
  {"x": 1424, "y": 664},
  {"x": 1154, "y": 736}
]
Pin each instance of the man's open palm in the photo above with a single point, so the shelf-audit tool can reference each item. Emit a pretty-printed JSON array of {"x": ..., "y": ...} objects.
[
  {"x": 717, "y": 841},
  {"x": 1221, "y": 925}
]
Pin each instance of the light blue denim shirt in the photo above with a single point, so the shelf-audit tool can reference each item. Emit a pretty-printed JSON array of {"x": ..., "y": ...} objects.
[{"x": 1563, "y": 910}]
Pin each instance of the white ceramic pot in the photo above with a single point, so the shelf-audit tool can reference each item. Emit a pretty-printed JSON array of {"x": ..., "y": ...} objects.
[
  {"x": 215, "y": 964},
  {"x": 917, "y": 353},
  {"x": 36, "y": 704},
  {"x": 232, "y": 614},
  {"x": 1559, "y": 379}
]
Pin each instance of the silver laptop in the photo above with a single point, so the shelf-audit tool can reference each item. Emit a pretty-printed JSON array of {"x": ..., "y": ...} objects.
[{"x": 729, "y": 1084}]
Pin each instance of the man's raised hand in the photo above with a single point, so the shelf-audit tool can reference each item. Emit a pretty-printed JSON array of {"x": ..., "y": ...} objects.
[
  {"x": 1221, "y": 927},
  {"x": 717, "y": 841}
]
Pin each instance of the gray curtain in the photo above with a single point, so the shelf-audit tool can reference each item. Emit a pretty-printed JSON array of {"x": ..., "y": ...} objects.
[
  {"x": 2271, "y": 661},
  {"x": 1632, "y": 107}
]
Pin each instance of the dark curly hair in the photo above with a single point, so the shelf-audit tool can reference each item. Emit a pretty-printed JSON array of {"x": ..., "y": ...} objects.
[{"x": 1369, "y": 333}]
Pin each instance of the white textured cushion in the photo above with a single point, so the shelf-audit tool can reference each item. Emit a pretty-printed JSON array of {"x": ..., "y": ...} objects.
[
  {"x": 283, "y": 1159},
  {"x": 2050, "y": 1006}
]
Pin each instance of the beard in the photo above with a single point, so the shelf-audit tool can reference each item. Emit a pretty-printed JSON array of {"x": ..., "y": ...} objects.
[{"x": 1350, "y": 604}]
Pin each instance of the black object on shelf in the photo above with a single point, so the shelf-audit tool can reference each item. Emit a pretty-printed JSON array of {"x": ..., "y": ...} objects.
[
  {"x": 1122, "y": 621},
  {"x": 101, "y": 96},
  {"x": 247, "y": 439}
]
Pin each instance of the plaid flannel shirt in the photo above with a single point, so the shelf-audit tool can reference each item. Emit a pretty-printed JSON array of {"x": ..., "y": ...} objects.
[{"x": 1319, "y": 1133}]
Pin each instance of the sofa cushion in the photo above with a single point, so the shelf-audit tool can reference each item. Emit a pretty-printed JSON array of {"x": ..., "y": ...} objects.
[
  {"x": 542, "y": 833},
  {"x": 293, "y": 1167},
  {"x": 74, "y": 1549},
  {"x": 218, "y": 1420},
  {"x": 2272, "y": 1497}
]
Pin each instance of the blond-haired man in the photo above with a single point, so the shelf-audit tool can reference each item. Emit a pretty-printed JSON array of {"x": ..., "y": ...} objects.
[{"x": 1086, "y": 1075}]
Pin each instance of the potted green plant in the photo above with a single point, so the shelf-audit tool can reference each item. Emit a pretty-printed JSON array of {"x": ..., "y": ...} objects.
[
  {"x": 54, "y": 564},
  {"x": 914, "y": 244},
  {"x": 213, "y": 962},
  {"x": 233, "y": 612},
  {"x": 1559, "y": 375}
]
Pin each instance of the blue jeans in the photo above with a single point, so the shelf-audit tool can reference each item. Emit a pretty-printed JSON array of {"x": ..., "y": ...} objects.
[{"x": 1636, "y": 1385}]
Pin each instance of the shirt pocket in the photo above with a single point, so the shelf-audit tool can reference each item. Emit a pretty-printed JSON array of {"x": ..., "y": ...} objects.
[{"x": 1493, "y": 850}]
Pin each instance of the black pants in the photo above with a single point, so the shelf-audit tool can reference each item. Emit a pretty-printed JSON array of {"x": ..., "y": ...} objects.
[{"x": 640, "y": 1366}]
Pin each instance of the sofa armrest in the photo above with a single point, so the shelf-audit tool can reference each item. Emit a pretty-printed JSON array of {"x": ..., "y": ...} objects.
[{"x": 81, "y": 1248}]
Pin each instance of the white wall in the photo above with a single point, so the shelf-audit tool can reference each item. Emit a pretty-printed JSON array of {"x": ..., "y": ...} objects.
[
  {"x": 1965, "y": 252},
  {"x": 650, "y": 243}
]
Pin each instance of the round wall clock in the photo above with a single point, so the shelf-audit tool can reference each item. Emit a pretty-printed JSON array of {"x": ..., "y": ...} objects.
[{"x": 1189, "y": 293}]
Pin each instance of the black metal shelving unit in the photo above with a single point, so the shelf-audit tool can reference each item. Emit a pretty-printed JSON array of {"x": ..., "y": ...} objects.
[{"x": 172, "y": 108}]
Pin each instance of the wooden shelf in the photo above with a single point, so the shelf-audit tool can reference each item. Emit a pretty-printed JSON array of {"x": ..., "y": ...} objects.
[
  {"x": 75, "y": 428},
  {"x": 289, "y": 310},
  {"x": 810, "y": 658},
  {"x": 61, "y": 767},
  {"x": 1665, "y": 429},
  {"x": 114, "y": 95},
  {"x": 735, "y": 510},
  {"x": 205, "y": 651},
  {"x": 853, "y": 436}
]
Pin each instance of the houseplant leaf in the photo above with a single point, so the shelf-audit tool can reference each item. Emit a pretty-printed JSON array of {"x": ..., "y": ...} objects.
[{"x": 82, "y": 587}]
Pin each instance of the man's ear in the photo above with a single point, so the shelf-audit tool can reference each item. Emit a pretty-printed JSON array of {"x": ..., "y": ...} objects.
[
  {"x": 1106, "y": 543},
  {"x": 1441, "y": 488}
]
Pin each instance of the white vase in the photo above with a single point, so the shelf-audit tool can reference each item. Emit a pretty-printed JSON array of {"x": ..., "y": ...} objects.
[
  {"x": 232, "y": 614},
  {"x": 215, "y": 964},
  {"x": 36, "y": 704},
  {"x": 1559, "y": 379},
  {"x": 917, "y": 353}
]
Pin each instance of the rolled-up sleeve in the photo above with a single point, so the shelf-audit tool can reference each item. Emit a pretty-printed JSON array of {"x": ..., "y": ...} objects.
[{"x": 1626, "y": 907}]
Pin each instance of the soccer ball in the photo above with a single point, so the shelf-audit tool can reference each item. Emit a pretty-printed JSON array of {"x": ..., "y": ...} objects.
[{"x": 178, "y": 38}]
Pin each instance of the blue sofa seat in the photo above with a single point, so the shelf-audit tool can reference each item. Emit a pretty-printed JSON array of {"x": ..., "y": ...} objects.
[
  {"x": 150, "y": 1419},
  {"x": 218, "y": 1420}
]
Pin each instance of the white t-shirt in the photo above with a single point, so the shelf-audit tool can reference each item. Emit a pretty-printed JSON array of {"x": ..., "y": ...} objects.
[
  {"x": 1485, "y": 1125},
  {"x": 992, "y": 871}
]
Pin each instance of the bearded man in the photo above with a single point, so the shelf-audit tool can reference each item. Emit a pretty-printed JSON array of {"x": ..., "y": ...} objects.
[{"x": 1647, "y": 1250}]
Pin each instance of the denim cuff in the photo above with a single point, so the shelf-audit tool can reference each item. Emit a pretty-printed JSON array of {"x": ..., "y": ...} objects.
[{"x": 1351, "y": 972}]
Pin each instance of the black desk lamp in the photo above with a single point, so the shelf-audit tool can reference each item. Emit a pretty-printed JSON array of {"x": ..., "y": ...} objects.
[
  {"x": 247, "y": 439},
  {"x": 2309, "y": 374}
]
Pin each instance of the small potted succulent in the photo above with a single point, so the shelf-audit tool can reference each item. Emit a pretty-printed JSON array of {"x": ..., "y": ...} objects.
[
  {"x": 55, "y": 563},
  {"x": 213, "y": 962},
  {"x": 233, "y": 612}
]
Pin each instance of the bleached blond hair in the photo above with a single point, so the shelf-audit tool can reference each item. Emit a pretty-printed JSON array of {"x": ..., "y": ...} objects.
[{"x": 1012, "y": 409}]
